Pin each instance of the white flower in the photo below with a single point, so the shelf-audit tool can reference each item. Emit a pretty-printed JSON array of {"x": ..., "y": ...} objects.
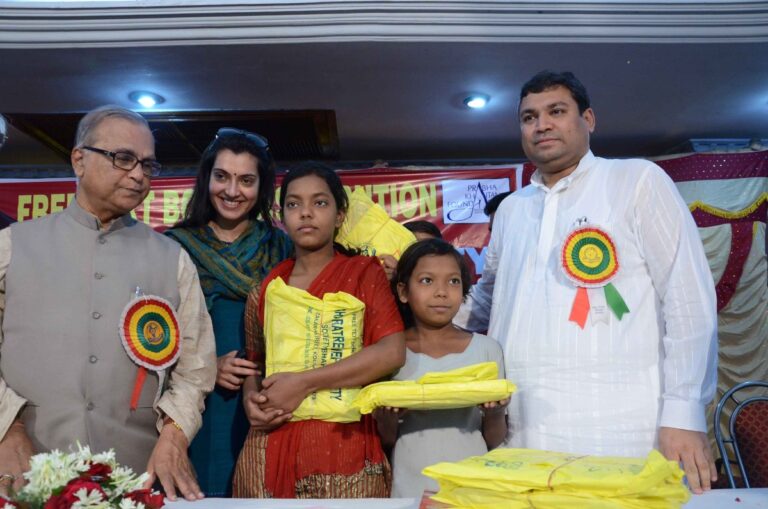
[
  {"x": 52, "y": 471},
  {"x": 124, "y": 481},
  {"x": 108, "y": 458},
  {"x": 48, "y": 472},
  {"x": 93, "y": 499},
  {"x": 127, "y": 503}
]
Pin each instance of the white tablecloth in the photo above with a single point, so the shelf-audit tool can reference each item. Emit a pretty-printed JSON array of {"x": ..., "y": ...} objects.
[
  {"x": 242, "y": 503},
  {"x": 715, "y": 499},
  {"x": 722, "y": 499}
]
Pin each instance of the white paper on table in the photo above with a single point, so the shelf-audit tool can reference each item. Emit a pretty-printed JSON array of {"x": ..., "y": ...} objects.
[{"x": 250, "y": 503}]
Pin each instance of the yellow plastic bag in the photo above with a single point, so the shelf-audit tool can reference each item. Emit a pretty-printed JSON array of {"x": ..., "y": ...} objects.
[
  {"x": 458, "y": 388},
  {"x": 471, "y": 373},
  {"x": 369, "y": 228},
  {"x": 485, "y": 499},
  {"x": 545, "y": 479},
  {"x": 303, "y": 332}
]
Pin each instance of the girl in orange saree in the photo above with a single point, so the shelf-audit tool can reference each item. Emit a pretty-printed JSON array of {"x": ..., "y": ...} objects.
[{"x": 314, "y": 458}]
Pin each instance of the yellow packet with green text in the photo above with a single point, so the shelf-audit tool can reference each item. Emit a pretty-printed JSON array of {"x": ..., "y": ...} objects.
[{"x": 303, "y": 332}]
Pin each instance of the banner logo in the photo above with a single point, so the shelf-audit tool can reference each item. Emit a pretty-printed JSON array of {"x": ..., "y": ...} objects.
[{"x": 464, "y": 200}]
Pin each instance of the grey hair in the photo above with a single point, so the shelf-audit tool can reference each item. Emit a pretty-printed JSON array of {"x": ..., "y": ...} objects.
[{"x": 93, "y": 118}]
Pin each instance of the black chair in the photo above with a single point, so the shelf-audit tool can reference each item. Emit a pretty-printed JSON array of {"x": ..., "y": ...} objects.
[{"x": 747, "y": 435}]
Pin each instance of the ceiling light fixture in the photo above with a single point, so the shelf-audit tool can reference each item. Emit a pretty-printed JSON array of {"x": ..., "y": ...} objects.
[
  {"x": 477, "y": 101},
  {"x": 146, "y": 99},
  {"x": 3, "y": 131}
]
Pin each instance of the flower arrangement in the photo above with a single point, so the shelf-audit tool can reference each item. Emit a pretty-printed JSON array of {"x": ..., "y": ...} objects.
[{"x": 81, "y": 480}]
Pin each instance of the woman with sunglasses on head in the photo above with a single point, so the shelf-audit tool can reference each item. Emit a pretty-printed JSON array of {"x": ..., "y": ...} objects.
[{"x": 228, "y": 231}]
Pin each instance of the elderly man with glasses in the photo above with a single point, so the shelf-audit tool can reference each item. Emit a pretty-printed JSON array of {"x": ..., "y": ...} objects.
[{"x": 105, "y": 335}]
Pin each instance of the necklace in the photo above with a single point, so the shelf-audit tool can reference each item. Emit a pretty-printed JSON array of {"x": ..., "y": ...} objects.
[{"x": 228, "y": 236}]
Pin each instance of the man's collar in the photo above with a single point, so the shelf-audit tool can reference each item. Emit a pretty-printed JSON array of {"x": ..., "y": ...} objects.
[
  {"x": 88, "y": 220},
  {"x": 584, "y": 165}
]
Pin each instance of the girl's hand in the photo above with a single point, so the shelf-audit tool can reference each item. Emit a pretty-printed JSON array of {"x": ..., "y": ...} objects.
[
  {"x": 231, "y": 371},
  {"x": 387, "y": 423},
  {"x": 388, "y": 414},
  {"x": 494, "y": 422},
  {"x": 261, "y": 418},
  {"x": 284, "y": 391},
  {"x": 494, "y": 406}
]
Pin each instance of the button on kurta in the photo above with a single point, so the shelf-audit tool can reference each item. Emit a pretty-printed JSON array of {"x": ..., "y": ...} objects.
[
  {"x": 90, "y": 406},
  {"x": 93, "y": 359},
  {"x": 98, "y": 275},
  {"x": 96, "y": 315},
  {"x": 102, "y": 240}
]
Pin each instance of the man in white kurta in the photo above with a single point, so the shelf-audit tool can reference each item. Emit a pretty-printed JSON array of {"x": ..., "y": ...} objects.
[{"x": 615, "y": 386}]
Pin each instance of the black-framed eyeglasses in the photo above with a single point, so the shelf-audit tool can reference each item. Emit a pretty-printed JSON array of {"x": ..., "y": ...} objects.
[
  {"x": 127, "y": 162},
  {"x": 257, "y": 139}
]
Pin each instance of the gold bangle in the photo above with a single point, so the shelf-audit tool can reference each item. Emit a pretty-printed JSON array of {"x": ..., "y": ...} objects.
[{"x": 175, "y": 424}]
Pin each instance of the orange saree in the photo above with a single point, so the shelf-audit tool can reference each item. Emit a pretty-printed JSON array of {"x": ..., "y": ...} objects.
[{"x": 312, "y": 458}]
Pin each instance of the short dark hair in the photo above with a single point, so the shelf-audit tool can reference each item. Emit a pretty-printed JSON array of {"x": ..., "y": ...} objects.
[
  {"x": 407, "y": 264},
  {"x": 424, "y": 227},
  {"x": 493, "y": 204},
  {"x": 549, "y": 79},
  {"x": 200, "y": 209}
]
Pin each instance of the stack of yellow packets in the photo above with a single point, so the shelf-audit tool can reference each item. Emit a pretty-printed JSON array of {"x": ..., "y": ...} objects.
[
  {"x": 527, "y": 478},
  {"x": 458, "y": 388}
]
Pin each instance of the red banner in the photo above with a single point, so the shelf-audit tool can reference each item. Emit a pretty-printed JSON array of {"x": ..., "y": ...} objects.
[{"x": 453, "y": 199}]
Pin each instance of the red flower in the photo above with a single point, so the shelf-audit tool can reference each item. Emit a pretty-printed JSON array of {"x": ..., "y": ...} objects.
[
  {"x": 97, "y": 472},
  {"x": 4, "y": 501},
  {"x": 57, "y": 502},
  {"x": 67, "y": 496},
  {"x": 152, "y": 500}
]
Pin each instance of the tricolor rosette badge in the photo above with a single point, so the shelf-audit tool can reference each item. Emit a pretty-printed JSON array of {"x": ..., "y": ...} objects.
[
  {"x": 589, "y": 260},
  {"x": 149, "y": 331}
]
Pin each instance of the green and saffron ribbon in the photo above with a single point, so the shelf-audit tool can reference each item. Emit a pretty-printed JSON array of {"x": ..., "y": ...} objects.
[
  {"x": 589, "y": 260},
  {"x": 614, "y": 300}
]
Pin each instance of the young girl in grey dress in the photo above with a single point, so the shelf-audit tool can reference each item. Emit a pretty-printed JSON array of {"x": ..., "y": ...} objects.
[{"x": 431, "y": 281}]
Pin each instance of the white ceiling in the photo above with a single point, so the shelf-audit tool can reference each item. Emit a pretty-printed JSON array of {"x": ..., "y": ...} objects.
[{"x": 395, "y": 72}]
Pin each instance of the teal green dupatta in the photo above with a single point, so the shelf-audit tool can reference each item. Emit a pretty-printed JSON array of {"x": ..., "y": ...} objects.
[{"x": 229, "y": 269}]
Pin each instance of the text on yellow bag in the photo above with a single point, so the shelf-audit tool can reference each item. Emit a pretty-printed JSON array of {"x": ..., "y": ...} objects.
[{"x": 304, "y": 332}]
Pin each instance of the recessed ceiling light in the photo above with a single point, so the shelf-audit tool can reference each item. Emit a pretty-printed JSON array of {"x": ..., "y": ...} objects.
[
  {"x": 146, "y": 99},
  {"x": 3, "y": 131},
  {"x": 477, "y": 101}
]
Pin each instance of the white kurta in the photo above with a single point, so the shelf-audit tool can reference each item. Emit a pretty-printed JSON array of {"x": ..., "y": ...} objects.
[{"x": 605, "y": 389}]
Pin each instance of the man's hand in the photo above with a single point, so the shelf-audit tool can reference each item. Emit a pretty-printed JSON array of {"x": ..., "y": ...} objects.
[
  {"x": 691, "y": 448},
  {"x": 15, "y": 450},
  {"x": 231, "y": 371},
  {"x": 389, "y": 264},
  {"x": 284, "y": 391},
  {"x": 169, "y": 463}
]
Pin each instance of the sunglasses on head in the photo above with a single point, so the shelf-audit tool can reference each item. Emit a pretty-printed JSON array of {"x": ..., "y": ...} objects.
[{"x": 256, "y": 139}]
